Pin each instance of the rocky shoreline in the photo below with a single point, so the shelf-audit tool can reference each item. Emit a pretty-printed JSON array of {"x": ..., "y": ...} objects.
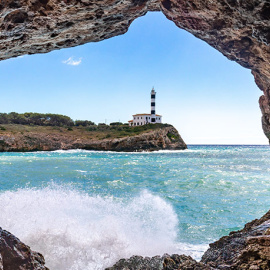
[
  {"x": 164, "y": 138},
  {"x": 246, "y": 249}
]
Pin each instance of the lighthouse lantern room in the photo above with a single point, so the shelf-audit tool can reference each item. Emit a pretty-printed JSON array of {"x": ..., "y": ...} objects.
[{"x": 141, "y": 119}]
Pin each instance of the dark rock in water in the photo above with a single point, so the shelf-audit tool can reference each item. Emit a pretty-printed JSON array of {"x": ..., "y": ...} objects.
[
  {"x": 15, "y": 255},
  {"x": 166, "y": 262},
  {"x": 248, "y": 248}
]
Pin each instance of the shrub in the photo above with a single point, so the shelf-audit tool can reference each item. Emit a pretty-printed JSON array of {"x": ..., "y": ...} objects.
[
  {"x": 116, "y": 124},
  {"x": 84, "y": 123}
]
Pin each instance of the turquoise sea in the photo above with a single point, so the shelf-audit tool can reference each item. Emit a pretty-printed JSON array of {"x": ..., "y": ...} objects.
[{"x": 84, "y": 210}]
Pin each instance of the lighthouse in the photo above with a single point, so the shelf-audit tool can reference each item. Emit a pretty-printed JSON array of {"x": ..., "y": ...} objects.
[
  {"x": 153, "y": 106},
  {"x": 141, "y": 119}
]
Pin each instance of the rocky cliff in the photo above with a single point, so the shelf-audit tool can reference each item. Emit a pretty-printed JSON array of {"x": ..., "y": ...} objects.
[
  {"x": 239, "y": 29},
  {"x": 39, "y": 139}
]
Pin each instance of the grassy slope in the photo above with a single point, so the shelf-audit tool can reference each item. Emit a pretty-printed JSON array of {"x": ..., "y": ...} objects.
[{"x": 91, "y": 132}]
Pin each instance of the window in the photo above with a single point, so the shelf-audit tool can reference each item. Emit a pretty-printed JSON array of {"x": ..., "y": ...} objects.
[
  {"x": 153, "y": 103},
  {"x": 141, "y": 117},
  {"x": 153, "y": 120},
  {"x": 153, "y": 96},
  {"x": 153, "y": 112}
]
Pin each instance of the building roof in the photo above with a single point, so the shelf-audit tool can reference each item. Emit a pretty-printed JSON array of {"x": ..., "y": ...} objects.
[
  {"x": 130, "y": 121},
  {"x": 138, "y": 114}
]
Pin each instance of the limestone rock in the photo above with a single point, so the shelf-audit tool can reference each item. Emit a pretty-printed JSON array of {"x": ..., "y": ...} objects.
[
  {"x": 166, "y": 262},
  {"x": 239, "y": 29},
  {"x": 157, "y": 139},
  {"x": 248, "y": 248},
  {"x": 15, "y": 255}
]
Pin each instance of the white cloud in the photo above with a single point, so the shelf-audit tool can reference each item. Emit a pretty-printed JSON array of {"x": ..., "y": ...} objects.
[{"x": 72, "y": 62}]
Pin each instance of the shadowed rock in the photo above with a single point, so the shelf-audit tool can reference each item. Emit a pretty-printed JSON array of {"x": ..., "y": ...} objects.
[
  {"x": 166, "y": 262},
  {"x": 15, "y": 255}
]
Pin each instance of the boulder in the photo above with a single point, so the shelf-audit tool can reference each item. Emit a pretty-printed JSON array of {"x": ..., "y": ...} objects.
[{"x": 15, "y": 255}]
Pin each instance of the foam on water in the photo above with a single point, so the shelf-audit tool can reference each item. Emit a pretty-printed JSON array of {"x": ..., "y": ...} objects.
[{"x": 76, "y": 231}]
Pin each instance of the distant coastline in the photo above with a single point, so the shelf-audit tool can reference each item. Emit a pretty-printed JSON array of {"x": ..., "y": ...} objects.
[{"x": 120, "y": 137}]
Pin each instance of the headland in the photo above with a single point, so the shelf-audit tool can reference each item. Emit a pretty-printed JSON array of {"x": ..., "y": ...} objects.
[{"x": 26, "y": 133}]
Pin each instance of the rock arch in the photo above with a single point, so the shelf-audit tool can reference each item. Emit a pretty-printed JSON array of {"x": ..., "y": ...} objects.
[{"x": 239, "y": 29}]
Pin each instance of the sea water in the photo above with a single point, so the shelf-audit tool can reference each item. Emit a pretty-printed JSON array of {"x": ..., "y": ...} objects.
[{"x": 84, "y": 210}]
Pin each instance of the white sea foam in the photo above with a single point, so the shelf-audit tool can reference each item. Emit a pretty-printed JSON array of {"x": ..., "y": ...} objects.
[
  {"x": 76, "y": 231},
  {"x": 74, "y": 151}
]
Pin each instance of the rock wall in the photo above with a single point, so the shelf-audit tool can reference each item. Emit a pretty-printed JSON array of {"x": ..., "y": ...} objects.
[
  {"x": 240, "y": 29},
  {"x": 157, "y": 139}
]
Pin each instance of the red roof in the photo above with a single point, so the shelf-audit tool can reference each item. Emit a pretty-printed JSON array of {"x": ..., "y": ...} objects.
[{"x": 144, "y": 114}]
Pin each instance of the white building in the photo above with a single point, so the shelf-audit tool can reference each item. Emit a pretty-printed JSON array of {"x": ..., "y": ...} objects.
[{"x": 145, "y": 118}]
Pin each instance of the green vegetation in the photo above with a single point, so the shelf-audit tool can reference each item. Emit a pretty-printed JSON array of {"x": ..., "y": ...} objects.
[
  {"x": 116, "y": 124},
  {"x": 83, "y": 123},
  {"x": 172, "y": 136},
  {"x": 37, "y": 119},
  {"x": 59, "y": 124}
]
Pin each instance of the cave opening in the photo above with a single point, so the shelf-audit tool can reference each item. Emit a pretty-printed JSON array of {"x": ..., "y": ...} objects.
[{"x": 209, "y": 99}]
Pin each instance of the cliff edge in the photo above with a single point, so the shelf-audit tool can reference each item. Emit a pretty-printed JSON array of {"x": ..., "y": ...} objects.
[{"x": 21, "y": 138}]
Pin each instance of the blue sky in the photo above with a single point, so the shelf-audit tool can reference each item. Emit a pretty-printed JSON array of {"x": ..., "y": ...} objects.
[{"x": 208, "y": 98}]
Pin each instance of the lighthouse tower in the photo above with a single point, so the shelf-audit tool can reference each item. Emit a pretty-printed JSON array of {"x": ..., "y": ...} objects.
[
  {"x": 153, "y": 106},
  {"x": 141, "y": 119}
]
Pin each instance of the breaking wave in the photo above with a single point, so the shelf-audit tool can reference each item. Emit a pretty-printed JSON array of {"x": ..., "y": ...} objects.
[{"x": 76, "y": 231}]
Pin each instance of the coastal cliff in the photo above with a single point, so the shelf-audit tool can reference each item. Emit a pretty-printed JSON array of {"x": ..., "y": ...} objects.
[
  {"x": 19, "y": 138},
  {"x": 245, "y": 249}
]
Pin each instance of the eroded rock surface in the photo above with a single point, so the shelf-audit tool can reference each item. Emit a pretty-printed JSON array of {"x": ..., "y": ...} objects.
[
  {"x": 166, "y": 262},
  {"x": 248, "y": 248},
  {"x": 157, "y": 139},
  {"x": 15, "y": 255},
  {"x": 240, "y": 29}
]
